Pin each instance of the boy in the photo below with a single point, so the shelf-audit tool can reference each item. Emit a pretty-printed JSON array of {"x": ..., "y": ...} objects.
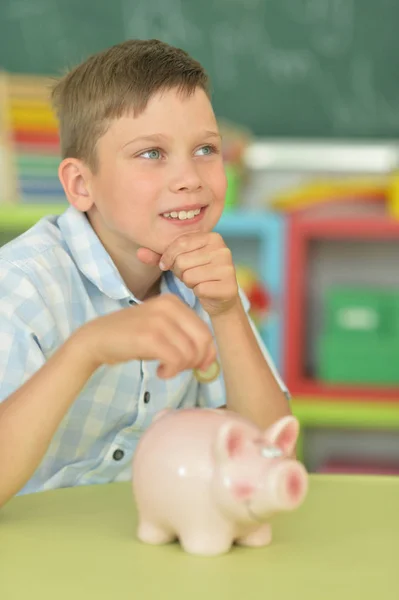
[{"x": 106, "y": 310}]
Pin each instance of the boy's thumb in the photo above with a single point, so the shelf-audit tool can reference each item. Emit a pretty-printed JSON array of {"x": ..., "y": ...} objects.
[{"x": 148, "y": 257}]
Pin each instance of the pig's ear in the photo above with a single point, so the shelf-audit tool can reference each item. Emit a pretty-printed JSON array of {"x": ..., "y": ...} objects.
[
  {"x": 230, "y": 441},
  {"x": 284, "y": 434}
]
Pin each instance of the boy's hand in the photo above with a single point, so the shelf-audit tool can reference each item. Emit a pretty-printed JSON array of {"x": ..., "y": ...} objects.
[
  {"x": 162, "y": 328},
  {"x": 204, "y": 263}
]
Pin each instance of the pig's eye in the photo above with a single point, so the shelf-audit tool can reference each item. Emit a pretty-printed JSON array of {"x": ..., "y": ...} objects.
[{"x": 271, "y": 452}]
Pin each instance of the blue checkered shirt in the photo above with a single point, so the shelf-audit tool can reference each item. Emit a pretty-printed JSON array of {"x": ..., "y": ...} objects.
[{"x": 53, "y": 279}]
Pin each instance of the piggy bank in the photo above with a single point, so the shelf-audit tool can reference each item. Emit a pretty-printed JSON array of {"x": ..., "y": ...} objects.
[{"x": 210, "y": 478}]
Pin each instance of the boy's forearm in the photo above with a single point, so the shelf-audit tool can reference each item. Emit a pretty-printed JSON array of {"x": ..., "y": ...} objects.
[
  {"x": 31, "y": 415},
  {"x": 251, "y": 388}
]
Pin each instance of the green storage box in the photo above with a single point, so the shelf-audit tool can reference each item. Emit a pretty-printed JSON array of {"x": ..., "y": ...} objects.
[
  {"x": 232, "y": 198},
  {"x": 360, "y": 339}
]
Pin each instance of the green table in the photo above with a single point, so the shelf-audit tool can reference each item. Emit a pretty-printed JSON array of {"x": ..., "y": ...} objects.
[{"x": 80, "y": 544}]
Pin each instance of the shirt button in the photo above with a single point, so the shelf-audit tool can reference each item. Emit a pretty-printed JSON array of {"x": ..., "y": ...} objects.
[
  {"x": 131, "y": 302},
  {"x": 147, "y": 397},
  {"x": 118, "y": 454}
]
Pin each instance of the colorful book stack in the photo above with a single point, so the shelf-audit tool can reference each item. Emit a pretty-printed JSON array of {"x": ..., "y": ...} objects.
[
  {"x": 32, "y": 139},
  {"x": 7, "y": 174}
]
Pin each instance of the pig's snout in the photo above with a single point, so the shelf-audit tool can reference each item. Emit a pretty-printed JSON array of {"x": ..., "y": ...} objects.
[{"x": 289, "y": 485}]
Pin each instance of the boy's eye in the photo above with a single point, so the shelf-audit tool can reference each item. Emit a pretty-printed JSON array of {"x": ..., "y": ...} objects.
[
  {"x": 152, "y": 154},
  {"x": 206, "y": 150}
]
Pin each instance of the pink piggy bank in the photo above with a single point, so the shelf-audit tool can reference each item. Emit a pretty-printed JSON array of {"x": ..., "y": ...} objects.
[{"x": 211, "y": 478}]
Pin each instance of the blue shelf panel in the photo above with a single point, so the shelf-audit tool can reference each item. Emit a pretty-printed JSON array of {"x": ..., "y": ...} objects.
[{"x": 269, "y": 231}]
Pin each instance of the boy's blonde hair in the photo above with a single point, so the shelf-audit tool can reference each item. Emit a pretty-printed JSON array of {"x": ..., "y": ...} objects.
[{"x": 118, "y": 81}]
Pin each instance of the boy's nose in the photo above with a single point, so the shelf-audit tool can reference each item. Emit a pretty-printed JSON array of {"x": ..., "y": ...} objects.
[{"x": 185, "y": 179}]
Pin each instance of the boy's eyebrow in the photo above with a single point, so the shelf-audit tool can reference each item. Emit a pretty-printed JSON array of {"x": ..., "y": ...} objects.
[
  {"x": 157, "y": 137},
  {"x": 212, "y": 134}
]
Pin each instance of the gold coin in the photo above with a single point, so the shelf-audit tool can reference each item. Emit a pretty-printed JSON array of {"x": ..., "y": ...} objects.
[{"x": 209, "y": 375}]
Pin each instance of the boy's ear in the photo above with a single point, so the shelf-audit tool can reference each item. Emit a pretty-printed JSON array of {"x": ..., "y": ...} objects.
[{"x": 75, "y": 177}]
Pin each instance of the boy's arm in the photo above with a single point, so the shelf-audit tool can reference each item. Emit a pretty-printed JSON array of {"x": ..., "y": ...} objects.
[
  {"x": 251, "y": 386},
  {"x": 31, "y": 415},
  {"x": 162, "y": 329},
  {"x": 204, "y": 263}
]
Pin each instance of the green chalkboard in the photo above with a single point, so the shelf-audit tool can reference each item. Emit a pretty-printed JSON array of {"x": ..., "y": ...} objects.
[{"x": 318, "y": 68}]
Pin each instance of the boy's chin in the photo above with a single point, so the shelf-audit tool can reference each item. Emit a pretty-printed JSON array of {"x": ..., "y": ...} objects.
[{"x": 162, "y": 242}]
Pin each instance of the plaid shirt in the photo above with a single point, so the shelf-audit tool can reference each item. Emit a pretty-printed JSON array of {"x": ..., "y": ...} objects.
[{"x": 53, "y": 279}]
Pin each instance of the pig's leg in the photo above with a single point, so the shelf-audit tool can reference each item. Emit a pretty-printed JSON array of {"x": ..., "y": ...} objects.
[
  {"x": 259, "y": 537},
  {"x": 150, "y": 533},
  {"x": 206, "y": 542}
]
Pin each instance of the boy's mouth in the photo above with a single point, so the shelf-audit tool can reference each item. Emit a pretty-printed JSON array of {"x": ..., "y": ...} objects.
[{"x": 181, "y": 216}]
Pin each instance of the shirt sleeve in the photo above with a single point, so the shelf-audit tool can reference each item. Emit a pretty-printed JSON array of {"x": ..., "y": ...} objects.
[
  {"x": 213, "y": 395},
  {"x": 21, "y": 315}
]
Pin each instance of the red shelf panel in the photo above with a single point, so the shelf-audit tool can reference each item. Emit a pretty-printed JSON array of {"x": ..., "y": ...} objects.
[{"x": 302, "y": 229}]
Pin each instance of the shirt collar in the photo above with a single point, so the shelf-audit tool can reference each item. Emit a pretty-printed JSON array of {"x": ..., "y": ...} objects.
[
  {"x": 170, "y": 284},
  {"x": 96, "y": 264}
]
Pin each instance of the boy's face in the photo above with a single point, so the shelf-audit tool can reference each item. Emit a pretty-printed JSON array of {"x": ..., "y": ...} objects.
[{"x": 166, "y": 161}]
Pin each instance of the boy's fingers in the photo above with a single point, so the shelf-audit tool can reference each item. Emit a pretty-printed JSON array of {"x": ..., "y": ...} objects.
[
  {"x": 210, "y": 358},
  {"x": 197, "y": 330},
  {"x": 192, "y": 351},
  {"x": 185, "y": 331},
  {"x": 182, "y": 244},
  {"x": 191, "y": 260},
  {"x": 202, "y": 274}
]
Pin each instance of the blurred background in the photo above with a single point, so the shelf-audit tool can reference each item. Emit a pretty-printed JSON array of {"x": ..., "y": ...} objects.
[{"x": 307, "y": 96}]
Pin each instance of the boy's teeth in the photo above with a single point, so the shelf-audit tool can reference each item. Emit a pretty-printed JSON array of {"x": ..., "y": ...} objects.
[{"x": 182, "y": 215}]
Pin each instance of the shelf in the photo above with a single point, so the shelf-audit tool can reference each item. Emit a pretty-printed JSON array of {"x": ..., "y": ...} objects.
[
  {"x": 19, "y": 217},
  {"x": 328, "y": 415},
  {"x": 367, "y": 415},
  {"x": 266, "y": 232},
  {"x": 322, "y": 155},
  {"x": 246, "y": 222},
  {"x": 305, "y": 290}
]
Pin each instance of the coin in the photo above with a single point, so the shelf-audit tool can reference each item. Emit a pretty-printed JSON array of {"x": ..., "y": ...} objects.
[{"x": 209, "y": 375}]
